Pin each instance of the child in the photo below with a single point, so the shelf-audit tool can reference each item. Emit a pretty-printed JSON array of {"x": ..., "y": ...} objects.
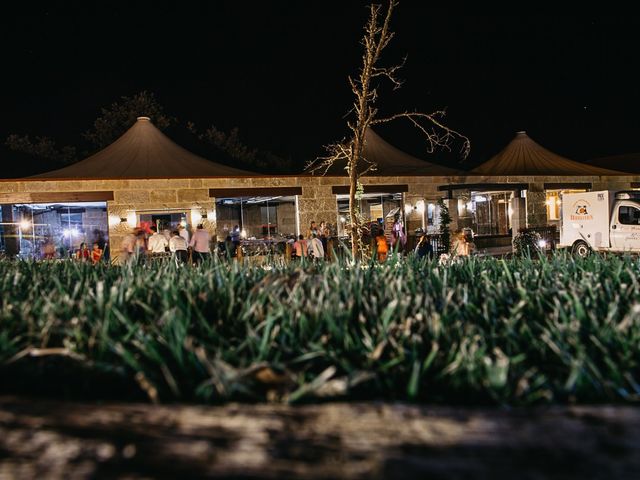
[
  {"x": 96, "y": 253},
  {"x": 381, "y": 246},
  {"x": 83, "y": 252}
]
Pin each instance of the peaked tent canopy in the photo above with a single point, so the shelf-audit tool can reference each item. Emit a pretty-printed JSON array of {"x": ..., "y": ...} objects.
[
  {"x": 523, "y": 156},
  {"x": 143, "y": 151},
  {"x": 391, "y": 161}
]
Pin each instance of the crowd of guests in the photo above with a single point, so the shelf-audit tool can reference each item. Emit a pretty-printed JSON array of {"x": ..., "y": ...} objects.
[
  {"x": 317, "y": 244},
  {"x": 142, "y": 243}
]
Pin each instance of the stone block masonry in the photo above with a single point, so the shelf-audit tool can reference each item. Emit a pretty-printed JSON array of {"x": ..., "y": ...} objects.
[{"x": 317, "y": 202}]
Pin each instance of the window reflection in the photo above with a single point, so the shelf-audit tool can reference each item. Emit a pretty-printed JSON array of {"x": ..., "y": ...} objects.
[
  {"x": 257, "y": 222},
  {"x": 379, "y": 208},
  {"x": 56, "y": 230}
]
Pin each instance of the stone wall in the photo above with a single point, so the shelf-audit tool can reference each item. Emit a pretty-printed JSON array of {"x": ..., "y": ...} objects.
[{"x": 317, "y": 202}]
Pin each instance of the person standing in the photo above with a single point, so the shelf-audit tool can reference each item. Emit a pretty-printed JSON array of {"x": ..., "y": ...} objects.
[
  {"x": 96, "y": 253},
  {"x": 230, "y": 248},
  {"x": 49, "y": 249},
  {"x": 424, "y": 248},
  {"x": 83, "y": 252},
  {"x": 316, "y": 248},
  {"x": 313, "y": 229},
  {"x": 301, "y": 248},
  {"x": 460, "y": 247},
  {"x": 323, "y": 233},
  {"x": 382, "y": 249},
  {"x": 200, "y": 244},
  {"x": 184, "y": 233},
  {"x": 399, "y": 239},
  {"x": 157, "y": 241},
  {"x": 128, "y": 246},
  {"x": 178, "y": 246}
]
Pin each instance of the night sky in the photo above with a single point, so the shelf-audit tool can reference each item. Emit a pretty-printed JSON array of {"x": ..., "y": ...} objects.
[{"x": 278, "y": 71}]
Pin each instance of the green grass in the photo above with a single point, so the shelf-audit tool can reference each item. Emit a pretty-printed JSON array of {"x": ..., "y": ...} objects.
[{"x": 481, "y": 331}]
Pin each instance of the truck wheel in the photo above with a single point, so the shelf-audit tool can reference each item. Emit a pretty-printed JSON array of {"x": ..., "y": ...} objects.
[{"x": 581, "y": 249}]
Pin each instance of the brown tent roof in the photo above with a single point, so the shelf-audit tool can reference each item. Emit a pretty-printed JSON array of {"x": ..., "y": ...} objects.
[
  {"x": 143, "y": 151},
  {"x": 523, "y": 156},
  {"x": 628, "y": 162},
  {"x": 391, "y": 161}
]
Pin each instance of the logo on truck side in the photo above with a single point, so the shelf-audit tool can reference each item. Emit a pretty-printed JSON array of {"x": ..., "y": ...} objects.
[{"x": 581, "y": 209}]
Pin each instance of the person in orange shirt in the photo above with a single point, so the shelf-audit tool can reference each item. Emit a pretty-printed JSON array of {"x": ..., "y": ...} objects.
[
  {"x": 381, "y": 246},
  {"x": 96, "y": 253}
]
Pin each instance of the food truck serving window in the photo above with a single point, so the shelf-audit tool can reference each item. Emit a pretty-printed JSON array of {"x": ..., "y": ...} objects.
[{"x": 628, "y": 215}]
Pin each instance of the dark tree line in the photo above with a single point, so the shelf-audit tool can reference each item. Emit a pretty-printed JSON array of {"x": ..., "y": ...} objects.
[{"x": 117, "y": 118}]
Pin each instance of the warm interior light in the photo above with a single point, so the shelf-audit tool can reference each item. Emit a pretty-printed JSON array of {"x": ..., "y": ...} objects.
[
  {"x": 196, "y": 216},
  {"x": 25, "y": 224},
  {"x": 132, "y": 218},
  {"x": 420, "y": 207}
]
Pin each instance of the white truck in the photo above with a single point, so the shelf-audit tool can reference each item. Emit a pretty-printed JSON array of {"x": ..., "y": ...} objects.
[{"x": 600, "y": 221}]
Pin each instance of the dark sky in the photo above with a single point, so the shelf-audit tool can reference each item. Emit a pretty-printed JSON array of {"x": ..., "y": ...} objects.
[{"x": 278, "y": 71}]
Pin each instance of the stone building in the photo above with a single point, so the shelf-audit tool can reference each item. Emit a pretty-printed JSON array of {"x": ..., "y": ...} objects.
[{"x": 145, "y": 177}]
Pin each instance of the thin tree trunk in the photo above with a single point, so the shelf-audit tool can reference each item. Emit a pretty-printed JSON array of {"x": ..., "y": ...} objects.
[{"x": 353, "y": 214}]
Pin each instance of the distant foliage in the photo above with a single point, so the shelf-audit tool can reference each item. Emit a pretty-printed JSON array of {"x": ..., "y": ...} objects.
[
  {"x": 41, "y": 147},
  {"x": 117, "y": 118},
  {"x": 231, "y": 144},
  {"x": 518, "y": 331}
]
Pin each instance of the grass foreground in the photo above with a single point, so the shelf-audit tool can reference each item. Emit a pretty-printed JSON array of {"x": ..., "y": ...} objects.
[{"x": 480, "y": 331}]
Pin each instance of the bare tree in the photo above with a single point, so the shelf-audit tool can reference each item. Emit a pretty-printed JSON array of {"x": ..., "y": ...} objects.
[{"x": 364, "y": 114}]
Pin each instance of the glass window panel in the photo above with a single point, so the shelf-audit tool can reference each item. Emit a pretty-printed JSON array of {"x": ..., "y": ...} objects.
[
  {"x": 33, "y": 231},
  {"x": 258, "y": 223}
]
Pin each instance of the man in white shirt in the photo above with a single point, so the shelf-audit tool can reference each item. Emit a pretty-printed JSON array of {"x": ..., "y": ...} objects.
[
  {"x": 200, "y": 244},
  {"x": 178, "y": 246},
  {"x": 157, "y": 241},
  {"x": 184, "y": 233},
  {"x": 316, "y": 248}
]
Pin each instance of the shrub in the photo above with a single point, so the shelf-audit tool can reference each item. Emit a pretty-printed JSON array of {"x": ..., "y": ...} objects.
[{"x": 527, "y": 243}]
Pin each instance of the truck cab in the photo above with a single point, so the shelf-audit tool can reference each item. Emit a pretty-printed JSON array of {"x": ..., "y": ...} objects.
[
  {"x": 601, "y": 221},
  {"x": 625, "y": 223}
]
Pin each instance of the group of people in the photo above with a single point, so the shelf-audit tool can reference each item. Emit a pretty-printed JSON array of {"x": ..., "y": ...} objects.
[
  {"x": 97, "y": 253},
  {"x": 316, "y": 243},
  {"x": 185, "y": 248},
  {"x": 93, "y": 255},
  {"x": 423, "y": 248},
  {"x": 141, "y": 244}
]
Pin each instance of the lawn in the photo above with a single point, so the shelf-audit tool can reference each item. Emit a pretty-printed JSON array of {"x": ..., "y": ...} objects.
[{"x": 481, "y": 331}]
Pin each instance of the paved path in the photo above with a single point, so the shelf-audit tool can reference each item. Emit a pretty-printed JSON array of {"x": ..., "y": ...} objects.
[{"x": 58, "y": 440}]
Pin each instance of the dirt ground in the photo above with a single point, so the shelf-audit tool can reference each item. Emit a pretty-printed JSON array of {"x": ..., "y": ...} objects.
[{"x": 62, "y": 440}]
